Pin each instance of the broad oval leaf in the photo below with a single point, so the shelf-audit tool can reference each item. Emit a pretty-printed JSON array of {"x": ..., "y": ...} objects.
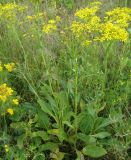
[
  {"x": 86, "y": 123},
  {"x": 86, "y": 138},
  {"x": 102, "y": 135},
  {"x": 41, "y": 134},
  {"x": 94, "y": 151},
  {"x": 48, "y": 146}
]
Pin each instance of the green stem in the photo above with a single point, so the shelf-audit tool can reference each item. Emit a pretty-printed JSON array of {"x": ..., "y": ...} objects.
[
  {"x": 76, "y": 95},
  {"x": 75, "y": 68},
  {"x": 126, "y": 3},
  {"x": 106, "y": 67}
]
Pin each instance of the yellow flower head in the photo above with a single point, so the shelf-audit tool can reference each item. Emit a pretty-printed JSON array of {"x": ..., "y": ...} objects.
[
  {"x": 15, "y": 101},
  {"x": 35, "y": 16},
  {"x": 6, "y": 148},
  {"x": 119, "y": 16},
  {"x": 8, "y": 11},
  {"x": 58, "y": 19},
  {"x": 5, "y": 92},
  {"x": 86, "y": 43},
  {"x": 113, "y": 32},
  {"x": 30, "y": 18},
  {"x": 10, "y": 111},
  {"x": 10, "y": 66},
  {"x": 48, "y": 28},
  {"x": 89, "y": 27},
  {"x": 52, "y": 21},
  {"x": 86, "y": 13},
  {"x": 51, "y": 25}
]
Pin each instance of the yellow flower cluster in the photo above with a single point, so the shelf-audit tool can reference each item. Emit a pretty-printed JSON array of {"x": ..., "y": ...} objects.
[
  {"x": 5, "y": 92},
  {"x": 51, "y": 25},
  {"x": 10, "y": 111},
  {"x": 86, "y": 13},
  {"x": 88, "y": 24},
  {"x": 89, "y": 27},
  {"x": 10, "y": 66},
  {"x": 35, "y": 17},
  {"x": 8, "y": 11},
  {"x": 15, "y": 101},
  {"x": 7, "y": 97},
  {"x": 77, "y": 28},
  {"x": 113, "y": 32},
  {"x": 119, "y": 16}
]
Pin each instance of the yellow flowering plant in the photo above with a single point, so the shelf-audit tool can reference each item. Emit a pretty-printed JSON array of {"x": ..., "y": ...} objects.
[
  {"x": 8, "y": 12},
  {"x": 73, "y": 80},
  {"x": 94, "y": 28},
  {"x": 8, "y": 100},
  {"x": 10, "y": 67},
  {"x": 51, "y": 26},
  {"x": 35, "y": 17}
]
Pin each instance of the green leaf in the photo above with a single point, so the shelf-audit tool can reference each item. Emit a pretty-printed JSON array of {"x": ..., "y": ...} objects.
[
  {"x": 86, "y": 138},
  {"x": 64, "y": 107},
  {"x": 86, "y": 123},
  {"x": 102, "y": 135},
  {"x": 101, "y": 123},
  {"x": 68, "y": 124},
  {"x": 20, "y": 141},
  {"x": 60, "y": 133},
  {"x": 45, "y": 107},
  {"x": 41, "y": 134},
  {"x": 91, "y": 111},
  {"x": 48, "y": 146},
  {"x": 19, "y": 125},
  {"x": 94, "y": 151},
  {"x": 43, "y": 119}
]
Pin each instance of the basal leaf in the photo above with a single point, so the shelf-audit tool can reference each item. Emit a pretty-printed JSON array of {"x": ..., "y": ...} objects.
[
  {"x": 94, "y": 151},
  {"x": 86, "y": 123},
  {"x": 41, "y": 134},
  {"x": 48, "y": 146},
  {"x": 86, "y": 138},
  {"x": 102, "y": 135}
]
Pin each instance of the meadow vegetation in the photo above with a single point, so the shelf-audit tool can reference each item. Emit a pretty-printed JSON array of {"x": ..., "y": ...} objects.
[{"x": 65, "y": 80}]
